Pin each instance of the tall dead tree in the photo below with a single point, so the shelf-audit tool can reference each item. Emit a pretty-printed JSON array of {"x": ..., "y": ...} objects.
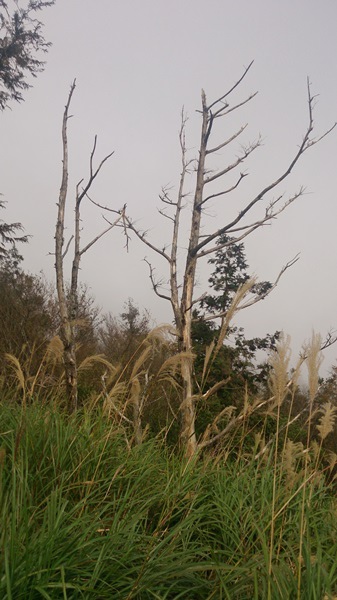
[
  {"x": 181, "y": 292},
  {"x": 68, "y": 300}
]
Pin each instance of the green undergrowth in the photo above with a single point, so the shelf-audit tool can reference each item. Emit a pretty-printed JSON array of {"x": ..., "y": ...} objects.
[{"x": 84, "y": 517}]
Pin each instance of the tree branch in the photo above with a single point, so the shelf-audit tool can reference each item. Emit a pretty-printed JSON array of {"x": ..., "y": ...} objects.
[
  {"x": 231, "y": 139},
  {"x": 67, "y": 247},
  {"x": 155, "y": 284},
  {"x": 223, "y": 111},
  {"x": 236, "y": 84},
  {"x": 248, "y": 229},
  {"x": 143, "y": 239},
  {"x": 258, "y": 298},
  {"x": 246, "y": 152},
  {"x": 93, "y": 173},
  {"x": 98, "y": 237},
  {"x": 305, "y": 145},
  {"x": 242, "y": 175}
]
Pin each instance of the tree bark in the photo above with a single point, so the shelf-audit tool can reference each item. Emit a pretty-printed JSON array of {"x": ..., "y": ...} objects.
[
  {"x": 188, "y": 410},
  {"x": 66, "y": 324},
  {"x": 68, "y": 303}
]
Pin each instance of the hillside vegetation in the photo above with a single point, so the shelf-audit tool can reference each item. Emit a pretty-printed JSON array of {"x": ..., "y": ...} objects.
[{"x": 86, "y": 513}]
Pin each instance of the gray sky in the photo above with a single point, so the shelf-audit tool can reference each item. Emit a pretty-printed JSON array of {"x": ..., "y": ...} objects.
[{"x": 136, "y": 64}]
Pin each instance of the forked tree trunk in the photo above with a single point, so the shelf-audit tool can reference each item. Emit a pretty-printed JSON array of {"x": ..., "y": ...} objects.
[
  {"x": 68, "y": 306},
  {"x": 203, "y": 244}
]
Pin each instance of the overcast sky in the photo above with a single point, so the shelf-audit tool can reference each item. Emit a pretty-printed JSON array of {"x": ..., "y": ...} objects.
[{"x": 136, "y": 64}]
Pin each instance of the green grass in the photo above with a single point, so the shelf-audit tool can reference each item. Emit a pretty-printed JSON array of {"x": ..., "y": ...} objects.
[{"x": 83, "y": 517}]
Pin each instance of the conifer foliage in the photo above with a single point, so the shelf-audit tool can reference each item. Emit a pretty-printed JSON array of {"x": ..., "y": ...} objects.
[
  {"x": 9, "y": 236},
  {"x": 21, "y": 42}
]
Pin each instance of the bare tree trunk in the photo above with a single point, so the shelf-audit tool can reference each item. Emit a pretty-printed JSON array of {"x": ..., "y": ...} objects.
[
  {"x": 187, "y": 407},
  {"x": 68, "y": 303},
  {"x": 66, "y": 327},
  {"x": 188, "y": 413},
  {"x": 70, "y": 368},
  {"x": 181, "y": 296}
]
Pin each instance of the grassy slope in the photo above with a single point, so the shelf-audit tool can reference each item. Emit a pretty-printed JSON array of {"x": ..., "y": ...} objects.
[{"x": 84, "y": 517}]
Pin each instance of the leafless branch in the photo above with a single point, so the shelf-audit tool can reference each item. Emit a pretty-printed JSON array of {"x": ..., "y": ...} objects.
[
  {"x": 305, "y": 145},
  {"x": 289, "y": 264},
  {"x": 93, "y": 173},
  {"x": 270, "y": 214},
  {"x": 67, "y": 247},
  {"x": 164, "y": 197},
  {"x": 155, "y": 284},
  {"x": 123, "y": 225},
  {"x": 163, "y": 214},
  {"x": 231, "y": 139},
  {"x": 242, "y": 175},
  {"x": 225, "y": 110},
  {"x": 245, "y": 153},
  {"x": 100, "y": 235},
  {"x": 257, "y": 298},
  {"x": 142, "y": 237},
  {"x": 121, "y": 212},
  {"x": 236, "y": 84},
  {"x": 330, "y": 339},
  {"x": 92, "y": 156}
]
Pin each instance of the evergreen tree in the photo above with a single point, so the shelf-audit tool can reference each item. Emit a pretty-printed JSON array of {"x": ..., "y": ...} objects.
[
  {"x": 237, "y": 359},
  {"x": 9, "y": 236},
  {"x": 230, "y": 271},
  {"x": 21, "y": 41},
  {"x": 120, "y": 337}
]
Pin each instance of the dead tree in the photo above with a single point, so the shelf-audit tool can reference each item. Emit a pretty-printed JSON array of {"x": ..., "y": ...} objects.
[
  {"x": 180, "y": 292},
  {"x": 68, "y": 300}
]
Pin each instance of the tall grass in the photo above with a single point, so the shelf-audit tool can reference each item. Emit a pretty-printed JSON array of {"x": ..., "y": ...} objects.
[
  {"x": 92, "y": 507},
  {"x": 83, "y": 516}
]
